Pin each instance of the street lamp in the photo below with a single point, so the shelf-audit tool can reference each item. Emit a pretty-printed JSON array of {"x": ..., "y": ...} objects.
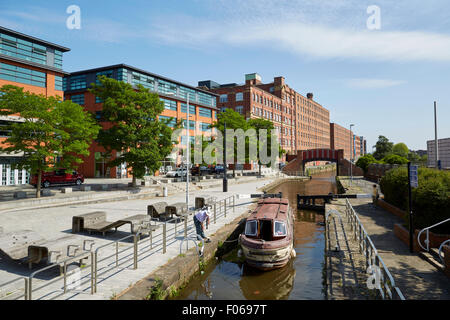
[
  {"x": 351, "y": 153},
  {"x": 187, "y": 146}
]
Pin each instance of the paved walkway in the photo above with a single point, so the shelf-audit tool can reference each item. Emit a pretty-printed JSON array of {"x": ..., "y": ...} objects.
[
  {"x": 416, "y": 278},
  {"x": 53, "y": 223}
]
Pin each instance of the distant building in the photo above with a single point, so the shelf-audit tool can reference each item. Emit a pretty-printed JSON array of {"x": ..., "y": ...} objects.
[
  {"x": 36, "y": 66},
  {"x": 343, "y": 138},
  {"x": 443, "y": 152}
]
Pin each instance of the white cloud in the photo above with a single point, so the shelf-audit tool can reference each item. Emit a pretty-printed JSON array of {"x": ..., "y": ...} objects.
[{"x": 365, "y": 83}]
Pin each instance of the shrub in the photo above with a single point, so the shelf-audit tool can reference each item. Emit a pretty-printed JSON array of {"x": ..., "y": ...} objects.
[
  {"x": 395, "y": 159},
  {"x": 363, "y": 162},
  {"x": 431, "y": 200}
]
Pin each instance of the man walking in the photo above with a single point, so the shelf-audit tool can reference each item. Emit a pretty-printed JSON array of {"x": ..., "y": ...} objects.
[{"x": 199, "y": 219}]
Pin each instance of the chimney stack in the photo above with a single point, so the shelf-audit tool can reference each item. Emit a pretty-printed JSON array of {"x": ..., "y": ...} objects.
[{"x": 309, "y": 96}]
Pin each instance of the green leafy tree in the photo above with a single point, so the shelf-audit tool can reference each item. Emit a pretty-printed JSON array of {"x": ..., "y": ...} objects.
[
  {"x": 364, "y": 161},
  {"x": 401, "y": 150},
  {"x": 135, "y": 130},
  {"x": 48, "y": 128},
  {"x": 234, "y": 120},
  {"x": 413, "y": 156},
  {"x": 395, "y": 159},
  {"x": 262, "y": 124},
  {"x": 383, "y": 148}
]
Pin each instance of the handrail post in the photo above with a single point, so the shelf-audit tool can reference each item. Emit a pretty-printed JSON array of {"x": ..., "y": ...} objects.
[
  {"x": 117, "y": 254},
  {"x": 92, "y": 272},
  {"x": 225, "y": 208},
  {"x": 428, "y": 240},
  {"x": 65, "y": 276},
  {"x": 234, "y": 203},
  {"x": 185, "y": 226},
  {"x": 215, "y": 212},
  {"x": 95, "y": 274},
  {"x": 164, "y": 237},
  {"x": 26, "y": 288},
  {"x": 135, "y": 237},
  {"x": 30, "y": 288}
]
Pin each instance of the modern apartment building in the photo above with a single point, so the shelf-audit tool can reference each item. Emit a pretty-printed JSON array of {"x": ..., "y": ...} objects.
[
  {"x": 301, "y": 122},
  {"x": 36, "y": 66},
  {"x": 343, "y": 138},
  {"x": 443, "y": 153},
  {"x": 202, "y": 108}
]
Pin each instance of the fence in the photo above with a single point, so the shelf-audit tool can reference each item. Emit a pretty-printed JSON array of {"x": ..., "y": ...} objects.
[
  {"x": 387, "y": 288},
  {"x": 99, "y": 265}
]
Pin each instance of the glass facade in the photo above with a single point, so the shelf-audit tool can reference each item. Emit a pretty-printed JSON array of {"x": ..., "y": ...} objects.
[
  {"x": 206, "y": 127},
  {"x": 203, "y": 112},
  {"x": 22, "y": 75},
  {"x": 77, "y": 82},
  {"x": 191, "y": 108},
  {"x": 30, "y": 51},
  {"x": 172, "y": 122},
  {"x": 169, "y": 104},
  {"x": 59, "y": 83}
]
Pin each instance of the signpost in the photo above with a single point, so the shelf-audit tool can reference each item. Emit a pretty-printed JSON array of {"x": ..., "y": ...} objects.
[{"x": 413, "y": 182}]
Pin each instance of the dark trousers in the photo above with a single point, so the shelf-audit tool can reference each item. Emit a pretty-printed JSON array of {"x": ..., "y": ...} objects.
[{"x": 199, "y": 229}]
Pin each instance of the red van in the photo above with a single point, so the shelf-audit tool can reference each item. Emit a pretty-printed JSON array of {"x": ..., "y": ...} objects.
[{"x": 58, "y": 177}]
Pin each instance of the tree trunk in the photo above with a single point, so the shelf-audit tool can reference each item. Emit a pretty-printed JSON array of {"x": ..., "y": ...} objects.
[
  {"x": 134, "y": 181},
  {"x": 260, "y": 165},
  {"x": 38, "y": 185}
]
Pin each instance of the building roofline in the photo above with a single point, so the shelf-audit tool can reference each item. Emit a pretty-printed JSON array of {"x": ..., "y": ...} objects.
[
  {"x": 40, "y": 41},
  {"x": 122, "y": 65},
  {"x": 33, "y": 64}
]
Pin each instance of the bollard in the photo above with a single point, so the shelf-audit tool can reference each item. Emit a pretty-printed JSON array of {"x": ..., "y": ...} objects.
[{"x": 164, "y": 237}]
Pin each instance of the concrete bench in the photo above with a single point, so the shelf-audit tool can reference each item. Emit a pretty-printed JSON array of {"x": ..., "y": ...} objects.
[
  {"x": 15, "y": 244},
  {"x": 138, "y": 222},
  {"x": 66, "y": 190},
  {"x": 178, "y": 209},
  {"x": 200, "y": 202},
  {"x": 20, "y": 195},
  {"x": 85, "y": 188},
  {"x": 81, "y": 222},
  {"x": 58, "y": 250},
  {"x": 46, "y": 193},
  {"x": 157, "y": 210},
  {"x": 146, "y": 183}
]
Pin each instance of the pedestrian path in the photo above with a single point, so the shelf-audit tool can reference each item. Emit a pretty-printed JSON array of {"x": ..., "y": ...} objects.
[{"x": 416, "y": 278}]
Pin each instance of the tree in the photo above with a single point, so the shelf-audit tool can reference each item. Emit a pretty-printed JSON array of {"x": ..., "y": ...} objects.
[
  {"x": 48, "y": 129},
  {"x": 413, "y": 156},
  {"x": 364, "y": 161},
  {"x": 401, "y": 150},
  {"x": 383, "y": 148},
  {"x": 135, "y": 130},
  {"x": 234, "y": 120},
  {"x": 395, "y": 159},
  {"x": 258, "y": 125}
]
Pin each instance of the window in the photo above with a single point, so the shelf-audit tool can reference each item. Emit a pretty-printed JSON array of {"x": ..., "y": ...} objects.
[
  {"x": 98, "y": 100},
  {"x": 58, "y": 83},
  {"x": 142, "y": 79},
  {"x": 239, "y": 96},
  {"x": 165, "y": 87},
  {"x": 223, "y": 98},
  {"x": 107, "y": 73},
  {"x": 99, "y": 115},
  {"x": 169, "y": 104},
  {"x": 191, "y": 108},
  {"x": 172, "y": 121},
  {"x": 78, "y": 98},
  {"x": 251, "y": 228},
  {"x": 5, "y": 129},
  {"x": 77, "y": 82},
  {"x": 22, "y": 75},
  {"x": 240, "y": 109},
  {"x": 206, "y": 127},
  {"x": 203, "y": 112}
]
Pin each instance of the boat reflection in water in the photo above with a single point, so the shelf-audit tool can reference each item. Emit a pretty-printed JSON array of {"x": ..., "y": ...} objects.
[{"x": 274, "y": 285}]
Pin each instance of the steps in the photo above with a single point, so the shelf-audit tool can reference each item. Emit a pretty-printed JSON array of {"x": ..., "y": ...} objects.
[{"x": 433, "y": 258}]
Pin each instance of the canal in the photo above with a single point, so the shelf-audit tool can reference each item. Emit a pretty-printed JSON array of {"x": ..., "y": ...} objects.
[{"x": 301, "y": 279}]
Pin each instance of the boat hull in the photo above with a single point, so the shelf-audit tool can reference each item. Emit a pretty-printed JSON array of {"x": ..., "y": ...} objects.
[{"x": 267, "y": 259}]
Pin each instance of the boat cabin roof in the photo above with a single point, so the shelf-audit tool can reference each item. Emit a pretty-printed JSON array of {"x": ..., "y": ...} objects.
[{"x": 271, "y": 208}]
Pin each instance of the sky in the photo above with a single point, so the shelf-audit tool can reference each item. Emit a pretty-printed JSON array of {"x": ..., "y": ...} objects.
[{"x": 380, "y": 68}]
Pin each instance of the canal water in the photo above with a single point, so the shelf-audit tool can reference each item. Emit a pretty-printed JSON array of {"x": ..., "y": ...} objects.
[{"x": 301, "y": 279}]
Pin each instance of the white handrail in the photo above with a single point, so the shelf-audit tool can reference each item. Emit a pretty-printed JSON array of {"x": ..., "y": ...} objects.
[
  {"x": 427, "y": 230},
  {"x": 440, "y": 249}
]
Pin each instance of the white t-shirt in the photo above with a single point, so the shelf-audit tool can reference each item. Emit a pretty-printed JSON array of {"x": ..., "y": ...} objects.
[{"x": 202, "y": 215}]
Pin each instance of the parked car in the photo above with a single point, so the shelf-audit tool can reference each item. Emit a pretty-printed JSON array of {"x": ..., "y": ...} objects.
[
  {"x": 200, "y": 171},
  {"x": 219, "y": 169},
  {"x": 180, "y": 172},
  {"x": 58, "y": 177}
]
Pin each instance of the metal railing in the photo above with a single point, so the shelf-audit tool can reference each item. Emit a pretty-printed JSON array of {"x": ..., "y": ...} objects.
[
  {"x": 387, "y": 288},
  {"x": 170, "y": 230},
  {"x": 440, "y": 249},
  {"x": 427, "y": 240},
  {"x": 8, "y": 294}
]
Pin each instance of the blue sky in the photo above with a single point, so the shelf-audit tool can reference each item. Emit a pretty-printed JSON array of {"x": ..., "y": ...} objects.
[{"x": 384, "y": 81}]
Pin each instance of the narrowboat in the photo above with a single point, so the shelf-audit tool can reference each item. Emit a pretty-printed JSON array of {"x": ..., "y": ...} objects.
[{"x": 268, "y": 239}]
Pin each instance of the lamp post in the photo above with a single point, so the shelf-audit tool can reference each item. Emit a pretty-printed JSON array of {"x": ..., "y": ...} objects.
[
  {"x": 187, "y": 146},
  {"x": 351, "y": 153},
  {"x": 225, "y": 179}
]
